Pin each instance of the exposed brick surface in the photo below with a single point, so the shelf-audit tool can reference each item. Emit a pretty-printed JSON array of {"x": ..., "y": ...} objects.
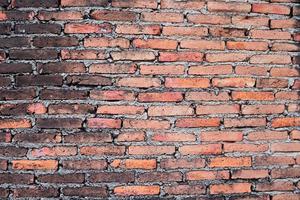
[{"x": 149, "y": 99}]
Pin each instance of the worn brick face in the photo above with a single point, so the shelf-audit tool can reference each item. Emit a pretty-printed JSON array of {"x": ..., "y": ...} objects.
[{"x": 149, "y": 99}]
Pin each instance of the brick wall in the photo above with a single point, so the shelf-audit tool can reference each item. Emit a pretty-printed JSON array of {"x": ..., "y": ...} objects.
[{"x": 155, "y": 99}]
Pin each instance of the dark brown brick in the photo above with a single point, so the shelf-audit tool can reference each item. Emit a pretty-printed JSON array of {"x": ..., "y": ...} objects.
[
  {"x": 86, "y": 191},
  {"x": 5, "y": 81},
  {"x": 61, "y": 178},
  {"x": 88, "y": 80},
  {"x": 35, "y": 192},
  {"x": 59, "y": 123},
  {"x": 14, "y": 42},
  {"x": 4, "y": 192},
  {"x": 16, "y": 178},
  {"x": 88, "y": 138},
  {"x": 71, "y": 109},
  {"x": 36, "y": 138},
  {"x": 37, "y": 28},
  {"x": 63, "y": 94},
  {"x": 7, "y": 68},
  {"x": 33, "y": 54},
  {"x": 5, "y": 29},
  {"x": 55, "y": 41},
  {"x": 108, "y": 177},
  {"x": 34, "y": 3},
  {"x": 17, "y": 15},
  {"x": 18, "y": 94},
  {"x": 39, "y": 80},
  {"x": 12, "y": 151},
  {"x": 60, "y": 67}
]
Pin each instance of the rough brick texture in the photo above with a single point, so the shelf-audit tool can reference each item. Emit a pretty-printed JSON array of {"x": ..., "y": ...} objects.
[{"x": 149, "y": 99}]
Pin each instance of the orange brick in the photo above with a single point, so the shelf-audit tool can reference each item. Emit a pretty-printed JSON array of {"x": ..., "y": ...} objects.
[
  {"x": 197, "y": 122},
  {"x": 35, "y": 164},
  {"x": 208, "y": 19},
  {"x": 285, "y": 147},
  {"x": 216, "y": 136},
  {"x": 201, "y": 149},
  {"x": 173, "y": 137},
  {"x": 162, "y": 69},
  {"x": 230, "y": 162},
  {"x": 54, "y": 151},
  {"x": 210, "y": 70},
  {"x": 146, "y": 124},
  {"x": 136, "y": 190},
  {"x": 237, "y": 147},
  {"x": 140, "y": 164},
  {"x": 160, "y": 97},
  {"x": 285, "y": 122},
  {"x": 14, "y": 123},
  {"x": 217, "y": 109},
  {"x": 202, "y": 44},
  {"x": 103, "y": 123},
  {"x": 121, "y": 110},
  {"x": 262, "y": 109},
  {"x": 267, "y": 135},
  {"x": 161, "y": 17},
  {"x": 170, "y": 110},
  {"x": 230, "y": 188},
  {"x": 271, "y": 8},
  {"x": 253, "y": 96},
  {"x": 251, "y": 46},
  {"x": 151, "y": 150},
  {"x": 187, "y": 82},
  {"x": 207, "y": 175},
  {"x": 155, "y": 43},
  {"x": 228, "y": 7}
]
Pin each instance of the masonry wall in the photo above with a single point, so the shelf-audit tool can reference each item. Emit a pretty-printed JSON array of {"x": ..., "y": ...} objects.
[{"x": 147, "y": 99}]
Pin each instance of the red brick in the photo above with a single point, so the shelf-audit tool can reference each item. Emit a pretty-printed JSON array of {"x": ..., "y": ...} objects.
[
  {"x": 275, "y": 186},
  {"x": 14, "y": 123},
  {"x": 284, "y": 72},
  {"x": 82, "y": 55},
  {"x": 134, "y": 3},
  {"x": 285, "y": 122},
  {"x": 155, "y": 43},
  {"x": 285, "y": 147},
  {"x": 207, "y": 175},
  {"x": 106, "y": 42},
  {"x": 202, "y": 44},
  {"x": 271, "y": 8},
  {"x": 121, "y": 110},
  {"x": 253, "y": 96},
  {"x": 217, "y": 109},
  {"x": 182, "y": 163},
  {"x": 197, "y": 122},
  {"x": 210, "y": 70},
  {"x": 185, "y": 189},
  {"x": 244, "y": 122},
  {"x": 136, "y": 190},
  {"x": 160, "y": 97},
  {"x": 57, "y": 151},
  {"x": 230, "y": 188},
  {"x": 216, "y": 136},
  {"x": 106, "y": 15},
  {"x": 151, "y": 150},
  {"x": 228, "y": 7},
  {"x": 161, "y": 17},
  {"x": 250, "y": 174},
  {"x": 60, "y": 15},
  {"x": 240, "y": 147},
  {"x": 136, "y": 136},
  {"x": 251, "y": 46},
  {"x": 270, "y": 34},
  {"x": 139, "y": 82},
  {"x": 273, "y": 160},
  {"x": 271, "y": 59},
  {"x": 112, "y": 95},
  {"x": 185, "y": 31},
  {"x": 208, "y": 19},
  {"x": 285, "y": 47},
  {"x": 230, "y": 162},
  {"x": 170, "y": 110},
  {"x": 34, "y": 164},
  {"x": 162, "y": 69},
  {"x": 267, "y": 135},
  {"x": 173, "y": 137},
  {"x": 87, "y": 28},
  {"x": 200, "y": 149},
  {"x": 262, "y": 109},
  {"x": 140, "y": 164},
  {"x": 272, "y": 83},
  {"x": 187, "y": 82},
  {"x": 103, "y": 123},
  {"x": 226, "y": 57},
  {"x": 295, "y": 135},
  {"x": 180, "y": 56},
  {"x": 112, "y": 68},
  {"x": 250, "y": 21},
  {"x": 251, "y": 70},
  {"x": 138, "y": 29},
  {"x": 146, "y": 124},
  {"x": 133, "y": 55},
  {"x": 233, "y": 82},
  {"x": 173, "y": 4},
  {"x": 207, "y": 96},
  {"x": 102, "y": 150}
]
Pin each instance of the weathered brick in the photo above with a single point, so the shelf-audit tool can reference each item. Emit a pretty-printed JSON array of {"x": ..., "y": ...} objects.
[
  {"x": 134, "y": 3},
  {"x": 271, "y": 8},
  {"x": 151, "y": 150},
  {"x": 208, "y": 19},
  {"x": 207, "y": 175},
  {"x": 146, "y": 124},
  {"x": 110, "y": 177},
  {"x": 87, "y": 28},
  {"x": 230, "y": 188},
  {"x": 197, "y": 122},
  {"x": 34, "y": 192},
  {"x": 161, "y": 17},
  {"x": 200, "y": 149},
  {"x": 59, "y": 15},
  {"x": 228, "y": 7},
  {"x": 86, "y": 191},
  {"x": 106, "y": 15},
  {"x": 34, "y": 164},
  {"x": 230, "y": 162}
]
